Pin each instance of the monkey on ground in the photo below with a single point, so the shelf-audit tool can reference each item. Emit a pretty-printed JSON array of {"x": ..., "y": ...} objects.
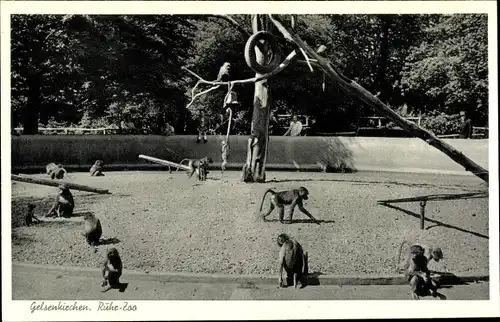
[
  {"x": 96, "y": 169},
  {"x": 112, "y": 270},
  {"x": 290, "y": 198},
  {"x": 417, "y": 272},
  {"x": 55, "y": 170},
  {"x": 92, "y": 229},
  {"x": 30, "y": 216},
  {"x": 63, "y": 202},
  {"x": 293, "y": 259},
  {"x": 200, "y": 166},
  {"x": 431, "y": 253}
]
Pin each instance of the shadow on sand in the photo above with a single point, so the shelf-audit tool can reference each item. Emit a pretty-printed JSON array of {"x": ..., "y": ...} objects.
[{"x": 436, "y": 222}]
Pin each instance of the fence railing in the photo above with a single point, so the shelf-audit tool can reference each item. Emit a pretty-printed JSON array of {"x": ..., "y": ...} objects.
[
  {"x": 379, "y": 119},
  {"x": 477, "y": 131},
  {"x": 70, "y": 130}
]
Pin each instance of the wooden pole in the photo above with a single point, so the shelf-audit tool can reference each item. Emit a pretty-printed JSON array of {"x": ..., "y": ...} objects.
[
  {"x": 422, "y": 213},
  {"x": 47, "y": 182},
  {"x": 164, "y": 162},
  {"x": 357, "y": 90}
]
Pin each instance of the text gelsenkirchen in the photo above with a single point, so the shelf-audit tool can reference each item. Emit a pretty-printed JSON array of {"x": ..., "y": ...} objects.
[{"x": 60, "y": 306}]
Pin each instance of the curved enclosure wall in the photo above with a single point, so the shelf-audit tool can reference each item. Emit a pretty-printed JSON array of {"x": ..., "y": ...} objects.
[{"x": 32, "y": 152}]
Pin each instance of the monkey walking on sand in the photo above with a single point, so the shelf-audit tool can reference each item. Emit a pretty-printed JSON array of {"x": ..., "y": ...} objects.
[
  {"x": 290, "y": 198},
  {"x": 293, "y": 259},
  {"x": 30, "y": 216},
  {"x": 112, "y": 270},
  {"x": 198, "y": 166}
]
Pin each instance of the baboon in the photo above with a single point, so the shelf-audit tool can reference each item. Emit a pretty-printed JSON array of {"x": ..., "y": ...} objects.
[
  {"x": 112, "y": 270},
  {"x": 200, "y": 166},
  {"x": 92, "y": 229},
  {"x": 55, "y": 170},
  {"x": 417, "y": 272},
  {"x": 293, "y": 259},
  {"x": 30, "y": 216},
  {"x": 292, "y": 198},
  {"x": 96, "y": 169},
  {"x": 63, "y": 203},
  {"x": 431, "y": 253}
]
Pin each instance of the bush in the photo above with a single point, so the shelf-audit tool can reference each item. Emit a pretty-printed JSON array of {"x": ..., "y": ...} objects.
[{"x": 440, "y": 123}]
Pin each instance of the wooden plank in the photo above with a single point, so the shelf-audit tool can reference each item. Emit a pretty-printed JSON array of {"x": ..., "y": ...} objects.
[
  {"x": 164, "y": 162},
  {"x": 438, "y": 197},
  {"x": 53, "y": 183}
]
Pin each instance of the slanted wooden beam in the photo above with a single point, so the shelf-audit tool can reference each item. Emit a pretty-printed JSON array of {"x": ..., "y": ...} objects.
[
  {"x": 355, "y": 89},
  {"x": 164, "y": 162},
  {"x": 53, "y": 183}
]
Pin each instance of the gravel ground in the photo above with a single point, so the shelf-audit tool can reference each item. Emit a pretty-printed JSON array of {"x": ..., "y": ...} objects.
[{"x": 165, "y": 222}]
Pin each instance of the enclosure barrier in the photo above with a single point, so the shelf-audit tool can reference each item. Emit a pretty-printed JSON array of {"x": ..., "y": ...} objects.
[{"x": 288, "y": 153}]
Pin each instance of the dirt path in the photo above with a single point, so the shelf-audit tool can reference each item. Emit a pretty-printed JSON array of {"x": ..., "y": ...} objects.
[{"x": 165, "y": 222}]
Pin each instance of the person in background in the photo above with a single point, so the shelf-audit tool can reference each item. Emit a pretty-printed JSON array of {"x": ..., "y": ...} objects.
[
  {"x": 295, "y": 127},
  {"x": 126, "y": 125},
  {"x": 465, "y": 126},
  {"x": 313, "y": 128},
  {"x": 203, "y": 127},
  {"x": 169, "y": 129},
  {"x": 273, "y": 121}
]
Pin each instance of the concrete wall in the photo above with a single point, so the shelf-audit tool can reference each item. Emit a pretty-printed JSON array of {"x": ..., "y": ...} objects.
[{"x": 359, "y": 153}]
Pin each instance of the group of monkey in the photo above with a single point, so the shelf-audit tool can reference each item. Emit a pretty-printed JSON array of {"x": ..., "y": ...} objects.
[
  {"x": 294, "y": 260},
  {"x": 292, "y": 257},
  {"x": 64, "y": 205}
]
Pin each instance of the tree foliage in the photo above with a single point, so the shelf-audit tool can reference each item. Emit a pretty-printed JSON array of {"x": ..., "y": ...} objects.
[
  {"x": 92, "y": 70},
  {"x": 448, "y": 71}
]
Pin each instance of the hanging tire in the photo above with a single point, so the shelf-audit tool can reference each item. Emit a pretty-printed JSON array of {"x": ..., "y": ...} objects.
[{"x": 250, "y": 58}]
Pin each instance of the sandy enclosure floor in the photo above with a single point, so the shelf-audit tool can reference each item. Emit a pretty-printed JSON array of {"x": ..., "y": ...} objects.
[{"x": 165, "y": 222}]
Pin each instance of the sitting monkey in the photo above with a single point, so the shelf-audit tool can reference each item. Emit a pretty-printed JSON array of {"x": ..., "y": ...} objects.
[
  {"x": 293, "y": 259},
  {"x": 112, "y": 270},
  {"x": 63, "y": 202},
  {"x": 96, "y": 169}
]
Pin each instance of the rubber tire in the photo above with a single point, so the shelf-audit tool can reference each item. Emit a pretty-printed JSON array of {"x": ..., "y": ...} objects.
[{"x": 250, "y": 58}]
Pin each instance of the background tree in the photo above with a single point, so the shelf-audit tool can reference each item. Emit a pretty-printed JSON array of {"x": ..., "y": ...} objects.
[{"x": 448, "y": 71}]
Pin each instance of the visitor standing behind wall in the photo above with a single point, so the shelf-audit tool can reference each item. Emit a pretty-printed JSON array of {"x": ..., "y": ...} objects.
[
  {"x": 295, "y": 127},
  {"x": 169, "y": 129},
  {"x": 465, "y": 126}
]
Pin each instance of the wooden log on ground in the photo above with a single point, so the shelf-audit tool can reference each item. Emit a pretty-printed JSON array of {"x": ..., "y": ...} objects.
[
  {"x": 164, "y": 162},
  {"x": 47, "y": 182},
  {"x": 353, "y": 88},
  {"x": 452, "y": 196}
]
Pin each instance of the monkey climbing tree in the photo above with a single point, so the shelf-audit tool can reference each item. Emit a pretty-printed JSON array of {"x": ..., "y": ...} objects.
[{"x": 262, "y": 55}]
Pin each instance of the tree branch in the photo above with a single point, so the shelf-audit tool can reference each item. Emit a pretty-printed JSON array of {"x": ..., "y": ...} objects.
[
  {"x": 233, "y": 22},
  {"x": 216, "y": 84},
  {"x": 352, "y": 87}
]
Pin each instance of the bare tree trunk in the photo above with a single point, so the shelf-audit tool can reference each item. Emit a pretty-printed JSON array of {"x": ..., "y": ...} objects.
[
  {"x": 383, "y": 57},
  {"x": 254, "y": 168},
  {"x": 30, "y": 112}
]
